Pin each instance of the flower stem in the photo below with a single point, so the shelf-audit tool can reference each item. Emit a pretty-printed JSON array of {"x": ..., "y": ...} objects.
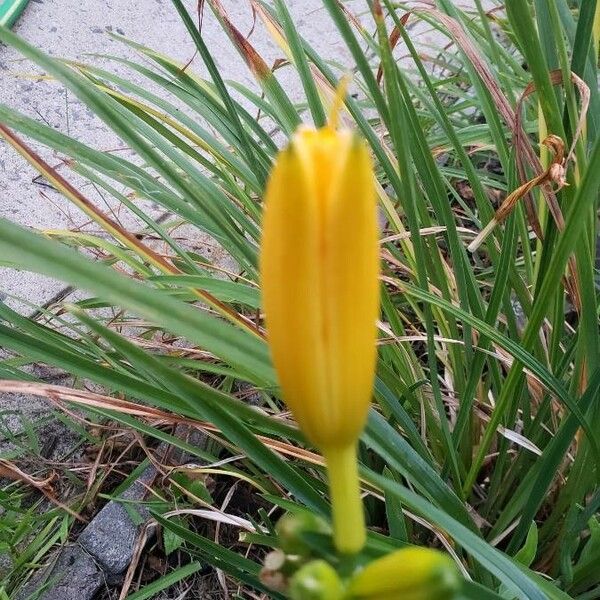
[{"x": 349, "y": 531}]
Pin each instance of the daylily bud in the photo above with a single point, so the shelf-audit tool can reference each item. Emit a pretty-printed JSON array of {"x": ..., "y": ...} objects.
[
  {"x": 291, "y": 527},
  {"x": 319, "y": 278},
  {"x": 316, "y": 581},
  {"x": 407, "y": 574}
]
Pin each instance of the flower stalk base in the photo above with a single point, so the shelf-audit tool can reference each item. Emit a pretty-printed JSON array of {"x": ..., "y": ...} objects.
[{"x": 349, "y": 531}]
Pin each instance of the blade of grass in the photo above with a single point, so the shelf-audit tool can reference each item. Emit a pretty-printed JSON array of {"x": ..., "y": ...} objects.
[{"x": 223, "y": 93}]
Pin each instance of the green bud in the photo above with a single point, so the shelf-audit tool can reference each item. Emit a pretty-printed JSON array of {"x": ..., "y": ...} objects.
[
  {"x": 409, "y": 574},
  {"x": 316, "y": 580},
  {"x": 291, "y": 527}
]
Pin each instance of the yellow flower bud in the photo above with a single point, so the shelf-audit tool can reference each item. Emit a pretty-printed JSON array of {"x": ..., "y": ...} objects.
[
  {"x": 319, "y": 277},
  {"x": 316, "y": 580},
  {"x": 407, "y": 574}
]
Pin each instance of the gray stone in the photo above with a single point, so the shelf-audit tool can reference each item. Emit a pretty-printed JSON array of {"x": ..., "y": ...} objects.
[
  {"x": 21, "y": 411},
  {"x": 111, "y": 536},
  {"x": 74, "y": 575},
  {"x": 106, "y": 546},
  {"x": 6, "y": 564}
]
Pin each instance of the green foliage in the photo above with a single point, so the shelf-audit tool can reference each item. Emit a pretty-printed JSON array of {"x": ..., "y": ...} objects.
[{"x": 484, "y": 433}]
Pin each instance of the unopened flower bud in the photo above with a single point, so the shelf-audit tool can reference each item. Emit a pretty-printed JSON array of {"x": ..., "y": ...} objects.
[
  {"x": 407, "y": 574},
  {"x": 319, "y": 264},
  {"x": 316, "y": 580},
  {"x": 291, "y": 527}
]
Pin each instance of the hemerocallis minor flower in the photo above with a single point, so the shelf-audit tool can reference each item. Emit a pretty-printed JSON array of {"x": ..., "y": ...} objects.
[
  {"x": 319, "y": 278},
  {"x": 407, "y": 574}
]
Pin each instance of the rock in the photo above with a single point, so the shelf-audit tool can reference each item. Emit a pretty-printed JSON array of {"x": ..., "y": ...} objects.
[
  {"x": 6, "y": 563},
  {"x": 73, "y": 576},
  {"x": 106, "y": 546},
  {"x": 110, "y": 537}
]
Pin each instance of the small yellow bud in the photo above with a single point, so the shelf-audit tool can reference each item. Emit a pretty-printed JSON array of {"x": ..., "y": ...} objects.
[
  {"x": 319, "y": 265},
  {"x": 407, "y": 574},
  {"x": 316, "y": 581}
]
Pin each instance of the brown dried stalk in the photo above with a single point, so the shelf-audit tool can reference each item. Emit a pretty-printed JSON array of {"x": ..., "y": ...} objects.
[
  {"x": 11, "y": 471},
  {"x": 554, "y": 173}
]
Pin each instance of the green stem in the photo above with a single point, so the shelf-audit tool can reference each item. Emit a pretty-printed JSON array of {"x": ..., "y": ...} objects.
[{"x": 348, "y": 516}]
